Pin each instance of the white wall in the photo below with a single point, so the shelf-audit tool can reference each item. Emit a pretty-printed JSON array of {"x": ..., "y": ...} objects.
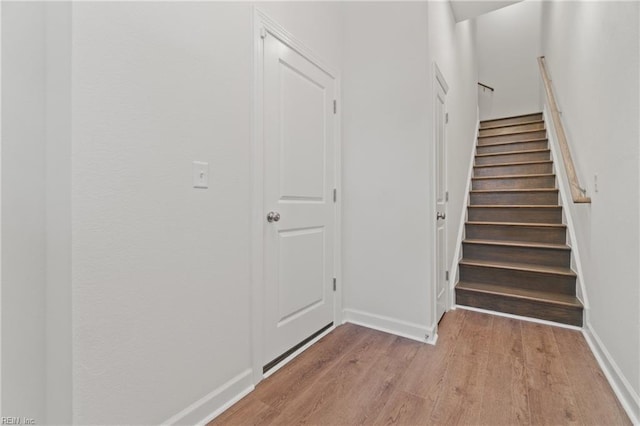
[
  {"x": 509, "y": 43},
  {"x": 161, "y": 286},
  {"x": 23, "y": 211},
  {"x": 58, "y": 211},
  {"x": 388, "y": 154},
  {"x": 160, "y": 269},
  {"x": 453, "y": 48},
  {"x": 317, "y": 24},
  {"x": 386, "y": 163},
  {"x": 592, "y": 52}
]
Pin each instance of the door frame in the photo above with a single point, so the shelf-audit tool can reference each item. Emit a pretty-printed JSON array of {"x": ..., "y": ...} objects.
[
  {"x": 438, "y": 80},
  {"x": 263, "y": 25}
]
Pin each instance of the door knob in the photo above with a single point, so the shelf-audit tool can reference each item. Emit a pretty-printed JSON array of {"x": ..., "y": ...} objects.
[
  {"x": 273, "y": 217},
  {"x": 440, "y": 215}
]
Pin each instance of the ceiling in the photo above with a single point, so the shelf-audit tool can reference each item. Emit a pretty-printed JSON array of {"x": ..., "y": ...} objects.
[{"x": 466, "y": 9}]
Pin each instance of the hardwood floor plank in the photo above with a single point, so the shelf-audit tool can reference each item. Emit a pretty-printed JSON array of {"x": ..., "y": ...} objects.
[
  {"x": 363, "y": 404},
  {"x": 248, "y": 411},
  {"x": 404, "y": 408},
  {"x": 475, "y": 334},
  {"x": 551, "y": 399},
  {"x": 317, "y": 404},
  {"x": 484, "y": 370},
  {"x": 594, "y": 396},
  {"x": 304, "y": 370},
  {"x": 504, "y": 400},
  {"x": 460, "y": 395},
  {"x": 426, "y": 372},
  {"x": 506, "y": 337}
]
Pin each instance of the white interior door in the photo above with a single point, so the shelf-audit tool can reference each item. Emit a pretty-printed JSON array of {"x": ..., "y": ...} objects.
[
  {"x": 299, "y": 181},
  {"x": 441, "y": 200}
]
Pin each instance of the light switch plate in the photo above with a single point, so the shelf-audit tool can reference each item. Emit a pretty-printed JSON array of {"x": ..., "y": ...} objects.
[{"x": 200, "y": 175}]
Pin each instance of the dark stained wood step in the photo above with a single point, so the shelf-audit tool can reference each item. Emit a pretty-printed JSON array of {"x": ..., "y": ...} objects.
[
  {"x": 513, "y": 182},
  {"x": 533, "y": 167},
  {"x": 515, "y": 213},
  {"x": 512, "y": 128},
  {"x": 541, "y": 196},
  {"x": 519, "y": 275},
  {"x": 511, "y": 125},
  {"x": 514, "y": 266},
  {"x": 536, "y": 304},
  {"x": 516, "y": 251},
  {"x": 516, "y": 119},
  {"x": 513, "y": 157},
  {"x": 513, "y": 231},
  {"x": 529, "y": 145},
  {"x": 513, "y": 137}
]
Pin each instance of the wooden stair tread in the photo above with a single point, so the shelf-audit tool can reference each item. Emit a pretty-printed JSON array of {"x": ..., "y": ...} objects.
[
  {"x": 523, "y": 294},
  {"x": 527, "y": 267},
  {"x": 514, "y": 176},
  {"x": 511, "y": 134},
  {"x": 511, "y": 142},
  {"x": 510, "y": 117},
  {"x": 521, "y": 163},
  {"x": 515, "y": 206},
  {"x": 523, "y": 123},
  {"x": 515, "y": 190},
  {"x": 495, "y": 154},
  {"x": 518, "y": 244},
  {"x": 516, "y": 224}
]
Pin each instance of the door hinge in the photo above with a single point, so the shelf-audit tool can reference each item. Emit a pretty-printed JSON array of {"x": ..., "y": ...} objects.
[
  {"x": 335, "y": 106},
  {"x": 446, "y": 276},
  {"x": 335, "y": 195},
  {"x": 446, "y": 196},
  {"x": 334, "y": 284},
  {"x": 263, "y": 33},
  {"x": 446, "y": 118}
]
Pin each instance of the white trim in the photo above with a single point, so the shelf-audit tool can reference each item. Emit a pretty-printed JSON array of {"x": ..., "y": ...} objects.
[
  {"x": 563, "y": 186},
  {"x": 256, "y": 266},
  {"x": 1, "y": 206},
  {"x": 262, "y": 20},
  {"x": 629, "y": 399},
  {"x": 457, "y": 254},
  {"x": 299, "y": 351},
  {"x": 438, "y": 80},
  {"x": 518, "y": 317},
  {"x": 213, "y": 404},
  {"x": 263, "y": 23},
  {"x": 392, "y": 326}
]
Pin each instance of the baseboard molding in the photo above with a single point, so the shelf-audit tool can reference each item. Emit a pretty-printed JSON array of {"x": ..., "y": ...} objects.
[
  {"x": 212, "y": 405},
  {"x": 627, "y": 396},
  {"x": 457, "y": 254},
  {"x": 518, "y": 317},
  {"x": 391, "y": 325}
]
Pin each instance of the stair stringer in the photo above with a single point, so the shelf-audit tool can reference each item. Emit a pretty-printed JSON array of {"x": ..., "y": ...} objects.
[
  {"x": 457, "y": 255},
  {"x": 565, "y": 200}
]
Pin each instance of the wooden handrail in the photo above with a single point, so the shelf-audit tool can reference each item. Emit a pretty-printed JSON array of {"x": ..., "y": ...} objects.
[
  {"x": 486, "y": 87},
  {"x": 578, "y": 193}
]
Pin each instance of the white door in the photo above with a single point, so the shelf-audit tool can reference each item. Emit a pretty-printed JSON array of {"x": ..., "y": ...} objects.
[
  {"x": 299, "y": 181},
  {"x": 441, "y": 200}
]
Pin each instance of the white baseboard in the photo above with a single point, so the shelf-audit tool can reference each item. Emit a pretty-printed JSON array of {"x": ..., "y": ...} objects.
[
  {"x": 391, "y": 325},
  {"x": 457, "y": 254},
  {"x": 212, "y": 405},
  {"x": 518, "y": 317},
  {"x": 628, "y": 397}
]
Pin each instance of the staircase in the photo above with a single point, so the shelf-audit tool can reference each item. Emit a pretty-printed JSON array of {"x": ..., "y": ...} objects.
[{"x": 515, "y": 256}]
